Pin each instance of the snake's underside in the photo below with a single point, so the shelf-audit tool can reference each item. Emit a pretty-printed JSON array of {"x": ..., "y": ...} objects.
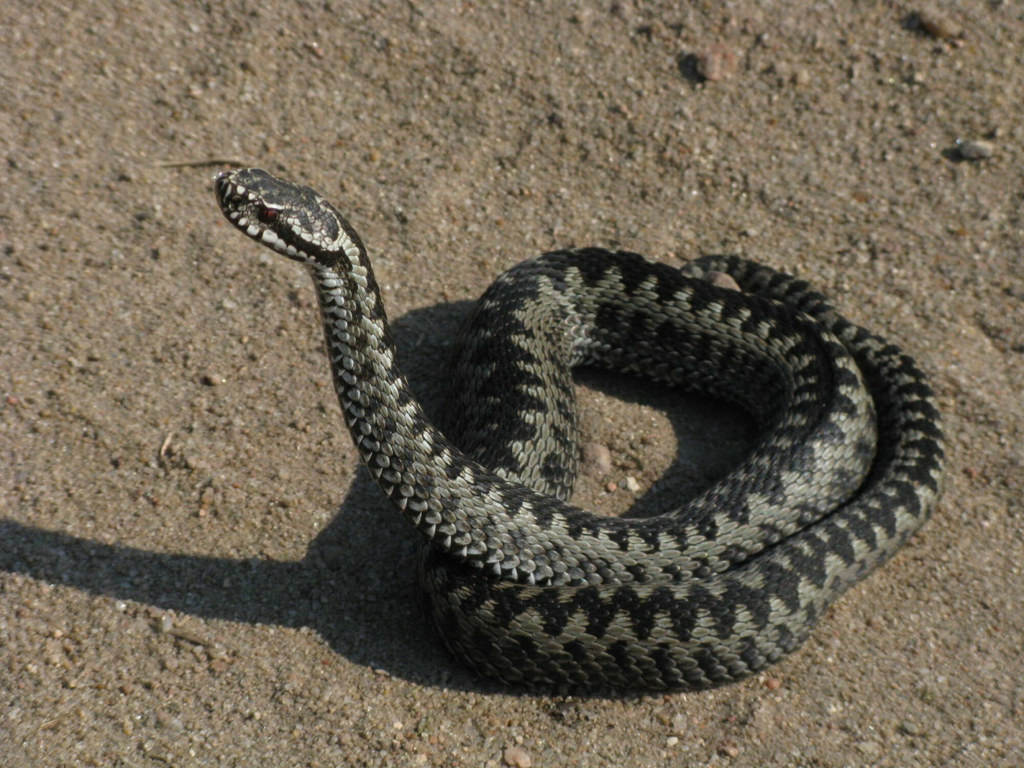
[{"x": 523, "y": 586}]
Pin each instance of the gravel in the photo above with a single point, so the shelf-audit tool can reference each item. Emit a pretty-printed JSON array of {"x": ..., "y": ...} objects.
[{"x": 194, "y": 570}]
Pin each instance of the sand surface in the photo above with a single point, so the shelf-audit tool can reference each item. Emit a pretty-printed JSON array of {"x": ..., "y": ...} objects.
[{"x": 193, "y": 568}]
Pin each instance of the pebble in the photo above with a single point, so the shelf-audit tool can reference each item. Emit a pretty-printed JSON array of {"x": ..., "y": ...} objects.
[
  {"x": 517, "y": 757},
  {"x": 167, "y": 721},
  {"x": 723, "y": 280},
  {"x": 716, "y": 62},
  {"x": 211, "y": 379},
  {"x": 939, "y": 25},
  {"x": 975, "y": 149},
  {"x": 729, "y": 750},
  {"x": 679, "y": 725},
  {"x": 631, "y": 483},
  {"x": 868, "y": 748},
  {"x": 910, "y": 728},
  {"x": 333, "y": 556},
  {"x": 597, "y": 459}
]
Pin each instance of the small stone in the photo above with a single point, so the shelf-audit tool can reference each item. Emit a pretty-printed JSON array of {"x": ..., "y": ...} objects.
[
  {"x": 333, "y": 556},
  {"x": 211, "y": 379},
  {"x": 772, "y": 683},
  {"x": 868, "y": 748},
  {"x": 597, "y": 459},
  {"x": 801, "y": 78},
  {"x": 939, "y": 25},
  {"x": 206, "y": 499},
  {"x": 716, "y": 62},
  {"x": 217, "y": 651},
  {"x": 517, "y": 757},
  {"x": 910, "y": 728},
  {"x": 975, "y": 149},
  {"x": 679, "y": 725},
  {"x": 723, "y": 280},
  {"x": 657, "y": 30},
  {"x": 729, "y": 750},
  {"x": 632, "y": 485},
  {"x": 167, "y": 721}
]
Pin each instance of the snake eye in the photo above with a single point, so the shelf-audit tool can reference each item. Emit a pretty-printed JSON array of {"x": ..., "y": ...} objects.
[{"x": 268, "y": 215}]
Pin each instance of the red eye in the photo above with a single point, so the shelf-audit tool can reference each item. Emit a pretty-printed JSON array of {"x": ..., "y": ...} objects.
[{"x": 268, "y": 215}]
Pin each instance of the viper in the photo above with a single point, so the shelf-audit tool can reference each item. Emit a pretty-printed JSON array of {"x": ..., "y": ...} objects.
[{"x": 527, "y": 588}]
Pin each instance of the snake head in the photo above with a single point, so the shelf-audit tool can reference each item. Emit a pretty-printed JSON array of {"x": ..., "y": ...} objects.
[{"x": 294, "y": 220}]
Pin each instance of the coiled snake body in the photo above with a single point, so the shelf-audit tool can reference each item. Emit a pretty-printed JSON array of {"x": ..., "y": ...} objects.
[{"x": 529, "y": 589}]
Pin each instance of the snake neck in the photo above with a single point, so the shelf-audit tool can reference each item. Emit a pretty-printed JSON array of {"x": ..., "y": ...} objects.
[
  {"x": 362, "y": 355},
  {"x": 445, "y": 495}
]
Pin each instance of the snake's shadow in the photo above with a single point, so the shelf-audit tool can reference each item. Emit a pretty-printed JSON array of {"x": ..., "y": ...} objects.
[{"x": 356, "y": 584}]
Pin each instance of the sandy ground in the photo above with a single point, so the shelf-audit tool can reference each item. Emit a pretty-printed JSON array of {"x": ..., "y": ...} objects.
[{"x": 194, "y": 570}]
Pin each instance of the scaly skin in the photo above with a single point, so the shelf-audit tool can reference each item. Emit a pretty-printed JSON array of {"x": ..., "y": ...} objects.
[{"x": 531, "y": 590}]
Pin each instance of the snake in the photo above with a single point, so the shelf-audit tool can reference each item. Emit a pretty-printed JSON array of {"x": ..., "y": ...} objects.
[{"x": 528, "y": 589}]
